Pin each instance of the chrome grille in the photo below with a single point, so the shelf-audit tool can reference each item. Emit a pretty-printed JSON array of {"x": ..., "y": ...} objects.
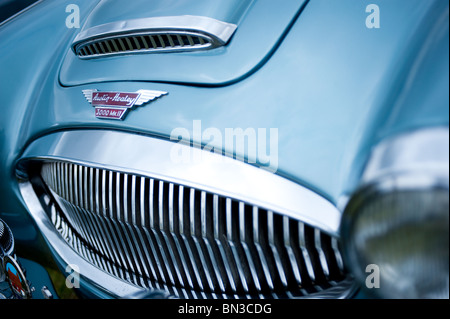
[
  {"x": 191, "y": 243},
  {"x": 142, "y": 43}
]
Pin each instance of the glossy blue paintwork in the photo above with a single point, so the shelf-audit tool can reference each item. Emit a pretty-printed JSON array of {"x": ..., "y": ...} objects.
[
  {"x": 230, "y": 11},
  {"x": 252, "y": 44},
  {"x": 332, "y": 87}
]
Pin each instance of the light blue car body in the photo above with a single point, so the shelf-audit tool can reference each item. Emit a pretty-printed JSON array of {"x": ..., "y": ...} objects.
[{"x": 331, "y": 86}]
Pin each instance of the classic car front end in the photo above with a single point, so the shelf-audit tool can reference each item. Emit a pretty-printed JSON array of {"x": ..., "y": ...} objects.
[{"x": 229, "y": 149}]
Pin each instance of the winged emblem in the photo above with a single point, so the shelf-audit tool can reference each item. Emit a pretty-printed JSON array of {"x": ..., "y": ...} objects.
[
  {"x": 88, "y": 95},
  {"x": 148, "y": 96},
  {"x": 115, "y": 105}
]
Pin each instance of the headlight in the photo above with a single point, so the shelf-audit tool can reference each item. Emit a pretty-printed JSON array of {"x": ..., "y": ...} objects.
[{"x": 395, "y": 228}]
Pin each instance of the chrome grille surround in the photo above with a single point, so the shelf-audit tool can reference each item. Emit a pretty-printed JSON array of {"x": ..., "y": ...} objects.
[
  {"x": 130, "y": 229},
  {"x": 152, "y": 35}
]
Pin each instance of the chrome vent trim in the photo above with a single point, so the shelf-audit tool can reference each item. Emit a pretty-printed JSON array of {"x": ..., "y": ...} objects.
[
  {"x": 152, "y": 35},
  {"x": 188, "y": 242}
]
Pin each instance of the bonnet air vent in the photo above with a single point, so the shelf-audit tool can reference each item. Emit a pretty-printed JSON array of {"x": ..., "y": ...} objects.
[{"x": 152, "y": 35}]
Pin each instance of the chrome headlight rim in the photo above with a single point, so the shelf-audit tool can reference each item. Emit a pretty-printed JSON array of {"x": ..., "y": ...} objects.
[{"x": 390, "y": 174}]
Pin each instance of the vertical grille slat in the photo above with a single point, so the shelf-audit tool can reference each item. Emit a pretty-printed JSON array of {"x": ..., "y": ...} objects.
[
  {"x": 118, "y": 231},
  {"x": 195, "y": 231},
  {"x": 218, "y": 234},
  {"x": 125, "y": 199},
  {"x": 130, "y": 44},
  {"x": 118, "y": 197},
  {"x": 190, "y": 40},
  {"x": 144, "y": 41},
  {"x": 163, "y": 208},
  {"x": 88, "y": 50},
  {"x": 102, "y": 48},
  {"x": 75, "y": 185},
  {"x": 108, "y": 47},
  {"x": 91, "y": 193},
  {"x": 176, "y": 248},
  {"x": 171, "y": 43},
  {"x": 290, "y": 250},
  {"x": 153, "y": 234},
  {"x": 259, "y": 248},
  {"x": 244, "y": 235},
  {"x": 337, "y": 254},
  {"x": 114, "y": 45},
  {"x": 191, "y": 243},
  {"x": 96, "y": 233},
  {"x": 275, "y": 252},
  {"x": 207, "y": 247},
  {"x": 105, "y": 242},
  {"x": 182, "y": 242},
  {"x": 322, "y": 258},
  {"x": 304, "y": 250},
  {"x": 180, "y": 40},
  {"x": 153, "y": 42},
  {"x": 232, "y": 237},
  {"x": 136, "y": 43},
  {"x": 94, "y": 48},
  {"x": 162, "y": 44},
  {"x": 112, "y": 245},
  {"x": 121, "y": 44},
  {"x": 97, "y": 191}
]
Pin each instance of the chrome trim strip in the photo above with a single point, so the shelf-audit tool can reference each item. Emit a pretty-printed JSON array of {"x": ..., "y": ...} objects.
[
  {"x": 420, "y": 151},
  {"x": 218, "y": 32},
  {"x": 20, "y": 12},
  {"x": 147, "y": 156}
]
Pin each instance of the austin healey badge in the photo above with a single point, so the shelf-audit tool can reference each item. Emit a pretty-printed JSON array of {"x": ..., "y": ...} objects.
[{"x": 115, "y": 105}]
